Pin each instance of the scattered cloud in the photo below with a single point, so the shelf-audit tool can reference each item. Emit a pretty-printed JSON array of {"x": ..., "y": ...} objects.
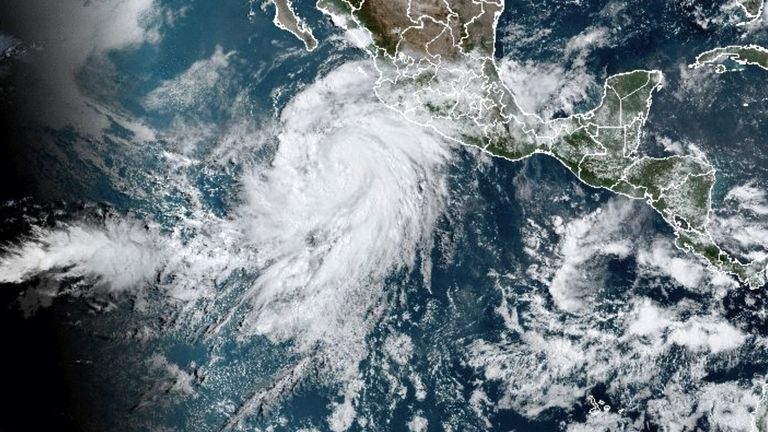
[
  {"x": 663, "y": 257},
  {"x": 749, "y": 197},
  {"x": 599, "y": 234},
  {"x": 201, "y": 87},
  {"x": 75, "y": 33}
]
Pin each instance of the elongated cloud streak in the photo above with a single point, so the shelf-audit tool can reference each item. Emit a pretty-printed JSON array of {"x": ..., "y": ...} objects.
[{"x": 120, "y": 254}]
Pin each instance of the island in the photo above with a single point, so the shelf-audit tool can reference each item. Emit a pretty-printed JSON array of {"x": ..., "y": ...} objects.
[
  {"x": 752, "y": 8},
  {"x": 723, "y": 59},
  {"x": 436, "y": 66}
]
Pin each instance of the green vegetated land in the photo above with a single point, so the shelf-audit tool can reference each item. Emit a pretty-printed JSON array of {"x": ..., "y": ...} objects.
[
  {"x": 742, "y": 55},
  {"x": 435, "y": 70}
]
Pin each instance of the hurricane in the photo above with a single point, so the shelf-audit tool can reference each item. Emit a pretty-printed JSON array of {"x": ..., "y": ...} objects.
[
  {"x": 383, "y": 215},
  {"x": 350, "y": 196}
]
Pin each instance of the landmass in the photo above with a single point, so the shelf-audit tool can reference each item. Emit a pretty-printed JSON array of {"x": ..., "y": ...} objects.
[
  {"x": 287, "y": 19},
  {"x": 436, "y": 66},
  {"x": 752, "y": 8},
  {"x": 724, "y": 59}
]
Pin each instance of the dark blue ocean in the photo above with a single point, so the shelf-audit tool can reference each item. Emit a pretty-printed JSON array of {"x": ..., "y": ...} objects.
[{"x": 492, "y": 253}]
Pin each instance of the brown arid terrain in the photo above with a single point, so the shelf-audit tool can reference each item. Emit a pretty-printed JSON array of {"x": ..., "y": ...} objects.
[
  {"x": 432, "y": 27},
  {"x": 436, "y": 66},
  {"x": 287, "y": 19}
]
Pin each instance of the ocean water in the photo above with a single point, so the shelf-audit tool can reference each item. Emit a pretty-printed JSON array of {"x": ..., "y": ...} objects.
[{"x": 390, "y": 281}]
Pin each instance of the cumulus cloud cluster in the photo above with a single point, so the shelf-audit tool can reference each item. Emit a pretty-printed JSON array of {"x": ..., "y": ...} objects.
[
  {"x": 351, "y": 194},
  {"x": 740, "y": 222},
  {"x": 119, "y": 255},
  {"x": 555, "y": 88},
  {"x": 567, "y": 337}
]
